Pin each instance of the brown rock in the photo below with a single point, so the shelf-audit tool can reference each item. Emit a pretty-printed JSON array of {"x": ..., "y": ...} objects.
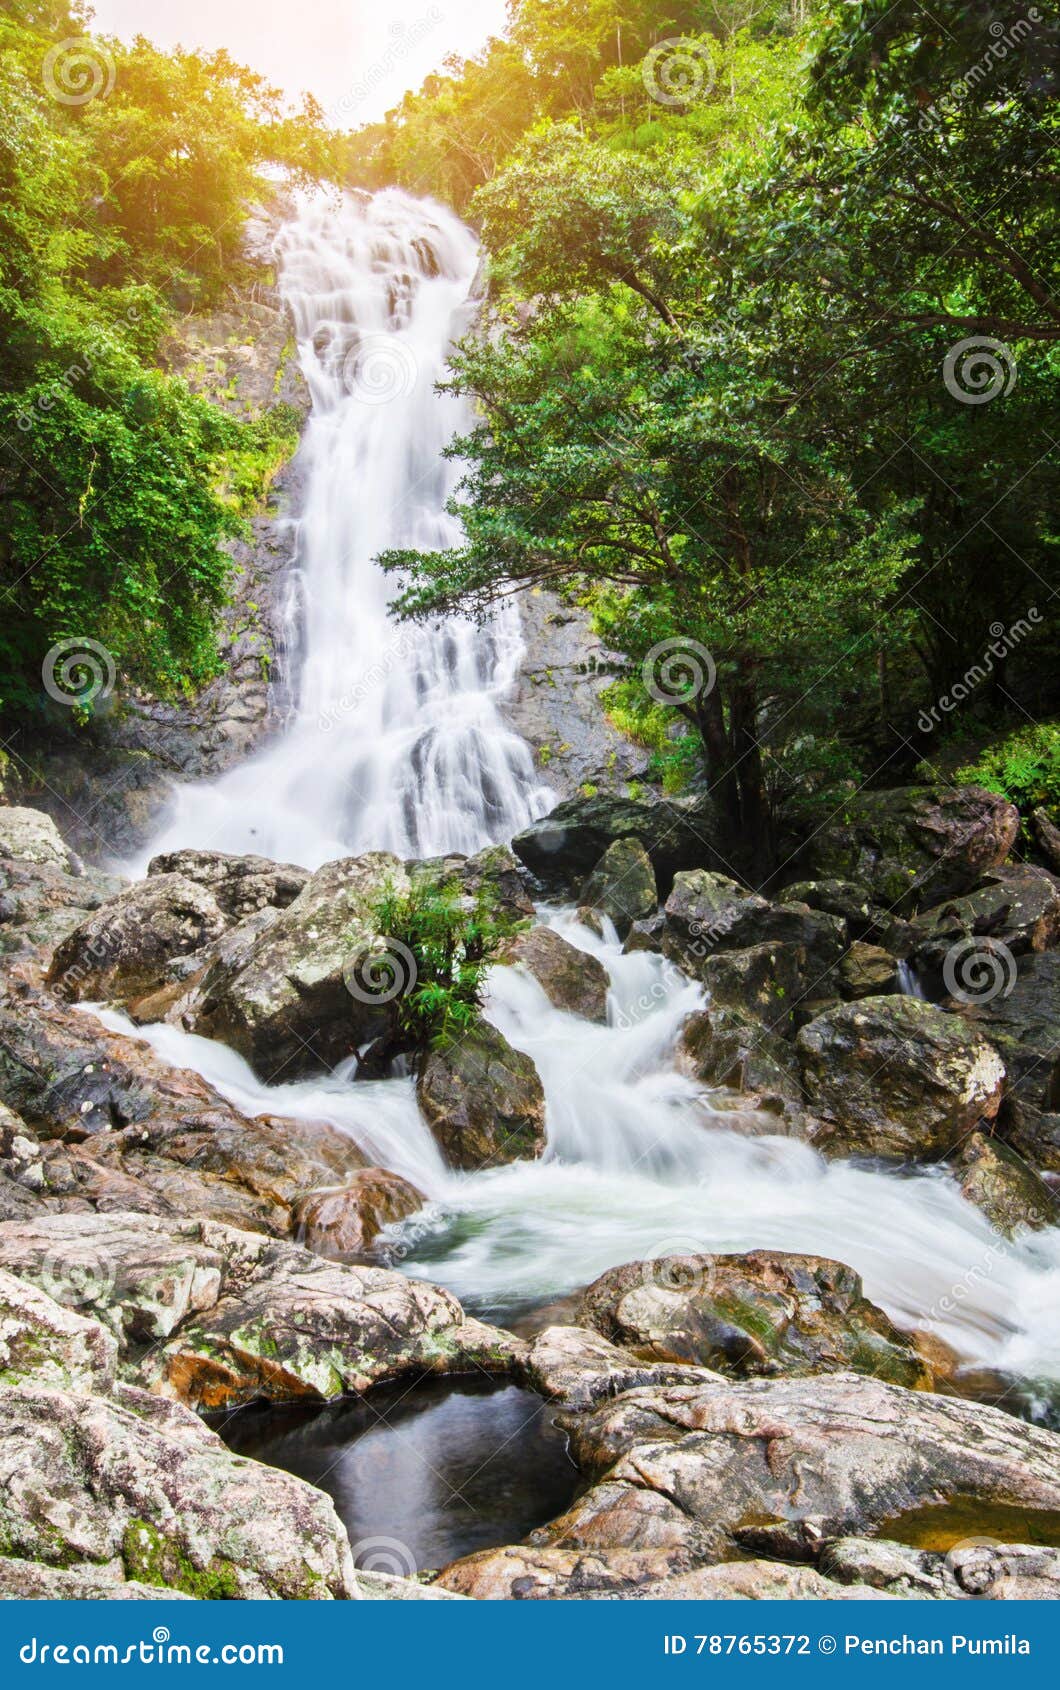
[{"x": 344, "y": 1221}]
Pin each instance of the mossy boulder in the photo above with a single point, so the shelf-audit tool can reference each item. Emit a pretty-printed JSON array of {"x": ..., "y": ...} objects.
[{"x": 482, "y": 1099}]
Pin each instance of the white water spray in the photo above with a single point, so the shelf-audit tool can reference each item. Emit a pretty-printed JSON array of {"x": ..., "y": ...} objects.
[{"x": 397, "y": 741}]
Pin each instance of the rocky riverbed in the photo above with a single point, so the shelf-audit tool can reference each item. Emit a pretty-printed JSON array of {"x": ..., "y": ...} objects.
[{"x": 744, "y": 1423}]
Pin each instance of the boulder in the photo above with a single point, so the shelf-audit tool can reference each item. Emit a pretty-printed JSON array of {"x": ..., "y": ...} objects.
[
  {"x": 29, "y": 1581},
  {"x": 779, "y": 987},
  {"x": 981, "y": 1568},
  {"x": 564, "y": 847},
  {"x": 304, "y": 991},
  {"x": 915, "y": 845},
  {"x": 725, "y": 1048},
  {"x": 495, "y": 868},
  {"x": 125, "y": 949},
  {"x": 344, "y": 1221},
  {"x": 1047, "y": 834},
  {"x": 107, "y": 1479},
  {"x": 571, "y": 979},
  {"x": 707, "y": 914},
  {"x": 105, "y": 1124},
  {"x": 30, "y": 836},
  {"x": 897, "y": 1077},
  {"x": 214, "y": 1317},
  {"x": 1021, "y": 1017},
  {"x": 622, "y": 886},
  {"x": 843, "y": 898},
  {"x": 998, "y": 1181},
  {"x": 44, "y": 1344},
  {"x": 774, "y": 1467},
  {"x": 482, "y": 1099},
  {"x": 1017, "y": 907},
  {"x": 765, "y": 1312},
  {"x": 238, "y": 885},
  {"x": 580, "y": 1368},
  {"x": 867, "y": 971},
  {"x": 524, "y": 1574}
]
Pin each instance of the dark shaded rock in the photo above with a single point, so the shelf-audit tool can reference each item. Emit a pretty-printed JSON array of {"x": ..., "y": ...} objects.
[
  {"x": 1022, "y": 1018},
  {"x": 1010, "y": 1194},
  {"x": 482, "y": 1099},
  {"x": 571, "y": 979},
  {"x": 1018, "y": 907},
  {"x": 125, "y": 949},
  {"x": 776, "y": 985},
  {"x": 622, "y": 886},
  {"x": 707, "y": 914},
  {"x": 915, "y": 845},
  {"x": 843, "y": 898},
  {"x": 214, "y": 1316},
  {"x": 764, "y": 1312},
  {"x": 344, "y": 1221},
  {"x": 722, "y": 1047},
  {"x": 565, "y": 846},
  {"x": 239, "y": 885},
  {"x": 1047, "y": 834},
  {"x": 120, "y": 1129},
  {"x": 867, "y": 971},
  {"x": 897, "y": 1077}
]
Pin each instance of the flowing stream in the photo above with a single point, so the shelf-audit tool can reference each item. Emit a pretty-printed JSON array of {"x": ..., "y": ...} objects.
[{"x": 397, "y": 742}]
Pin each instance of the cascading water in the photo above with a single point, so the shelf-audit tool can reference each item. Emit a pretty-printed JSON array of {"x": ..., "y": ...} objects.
[{"x": 397, "y": 742}]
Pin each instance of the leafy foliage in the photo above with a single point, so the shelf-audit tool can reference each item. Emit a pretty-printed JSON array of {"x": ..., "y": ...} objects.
[
  {"x": 453, "y": 938},
  {"x": 1024, "y": 767}
]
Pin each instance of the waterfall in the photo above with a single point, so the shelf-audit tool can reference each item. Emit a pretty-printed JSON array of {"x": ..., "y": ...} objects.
[{"x": 396, "y": 741}]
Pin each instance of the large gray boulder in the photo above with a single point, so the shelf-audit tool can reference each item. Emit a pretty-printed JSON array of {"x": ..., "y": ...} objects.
[
  {"x": 1017, "y": 907},
  {"x": 215, "y": 1317},
  {"x": 896, "y": 1077},
  {"x": 239, "y": 885},
  {"x": 482, "y": 1099},
  {"x": 126, "y": 949},
  {"x": 776, "y": 1466},
  {"x": 765, "y": 1312},
  {"x": 31, "y": 836},
  {"x": 622, "y": 886},
  {"x": 304, "y": 990},
  {"x": 1020, "y": 1013}
]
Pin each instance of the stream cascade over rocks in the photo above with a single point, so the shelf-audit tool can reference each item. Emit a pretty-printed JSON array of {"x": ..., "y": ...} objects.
[{"x": 737, "y": 1187}]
